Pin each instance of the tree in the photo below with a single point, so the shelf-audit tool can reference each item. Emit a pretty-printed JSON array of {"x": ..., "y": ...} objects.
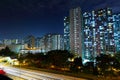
[
  {"x": 58, "y": 58},
  {"x": 106, "y": 63},
  {"x": 77, "y": 64},
  {"x": 117, "y": 60},
  {"x": 30, "y": 58},
  {"x": 7, "y": 52},
  {"x": 117, "y": 56},
  {"x": 40, "y": 60}
]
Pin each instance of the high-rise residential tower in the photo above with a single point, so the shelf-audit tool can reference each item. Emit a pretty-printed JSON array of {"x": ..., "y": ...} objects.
[
  {"x": 50, "y": 42},
  {"x": 30, "y": 41},
  {"x": 98, "y": 33},
  {"x": 116, "y": 25},
  {"x": 66, "y": 33},
  {"x": 76, "y": 31},
  {"x": 57, "y": 42}
]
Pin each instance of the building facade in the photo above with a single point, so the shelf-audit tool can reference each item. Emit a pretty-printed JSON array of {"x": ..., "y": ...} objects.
[
  {"x": 30, "y": 41},
  {"x": 98, "y": 33},
  {"x": 116, "y": 25},
  {"x": 67, "y": 33},
  {"x": 76, "y": 31},
  {"x": 11, "y": 41},
  {"x": 50, "y": 42},
  {"x": 57, "y": 42}
]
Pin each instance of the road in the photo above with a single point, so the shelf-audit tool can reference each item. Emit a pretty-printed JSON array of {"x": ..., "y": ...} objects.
[{"x": 27, "y": 74}]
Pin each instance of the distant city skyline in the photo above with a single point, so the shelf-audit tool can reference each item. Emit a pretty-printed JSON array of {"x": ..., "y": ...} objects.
[{"x": 19, "y": 18}]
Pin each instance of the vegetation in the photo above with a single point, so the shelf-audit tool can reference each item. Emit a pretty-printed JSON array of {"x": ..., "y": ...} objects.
[
  {"x": 58, "y": 58},
  {"x": 61, "y": 60},
  {"x": 7, "y": 52},
  {"x": 55, "y": 58},
  {"x": 76, "y": 65}
]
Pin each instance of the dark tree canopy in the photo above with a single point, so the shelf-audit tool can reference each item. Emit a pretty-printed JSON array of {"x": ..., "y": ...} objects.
[
  {"x": 58, "y": 57},
  {"x": 7, "y": 52}
]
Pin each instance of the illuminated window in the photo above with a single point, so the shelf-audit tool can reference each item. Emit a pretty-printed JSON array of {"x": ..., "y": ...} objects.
[{"x": 109, "y": 12}]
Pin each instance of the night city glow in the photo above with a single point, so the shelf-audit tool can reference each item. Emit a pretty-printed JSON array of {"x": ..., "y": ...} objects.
[{"x": 60, "y": 39}]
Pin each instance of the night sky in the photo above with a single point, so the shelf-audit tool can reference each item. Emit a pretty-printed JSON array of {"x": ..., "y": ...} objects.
[{"x": 19, "y": 18}]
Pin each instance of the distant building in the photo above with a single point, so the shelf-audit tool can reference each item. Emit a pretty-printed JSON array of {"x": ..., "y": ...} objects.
[
  {"x": 30, "y": 41},
  {"x": 16, "y": 47},
  {"x": 76, "y": 31},
  {"x": 50, "y": 42},
  {"x": 2, "y": 46},
  {"x": 57, "y": 42},
  {"x": 1, "y": 42},
  {"x": 37, "y": 42},
  {"x": 11, "y": 41},
  {"x": 42, "y": 44}
]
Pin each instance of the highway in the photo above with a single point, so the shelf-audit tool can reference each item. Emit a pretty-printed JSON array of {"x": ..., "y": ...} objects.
[{"x": 27, "y": 74}]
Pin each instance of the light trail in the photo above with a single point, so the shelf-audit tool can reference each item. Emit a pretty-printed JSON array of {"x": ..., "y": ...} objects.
[
  {"x": 28, "y": 75},
  {"x": 37, "y": 75}
]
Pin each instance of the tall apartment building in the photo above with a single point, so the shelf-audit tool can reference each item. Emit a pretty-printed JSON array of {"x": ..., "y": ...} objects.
[
  {"x": 76, "y": 31},
  {"x": 66, "y": 33},
  {"x": 11, "y": 41},
  {"x": 116, "y": 25},
  {"x": 40, "y": 44},
  {"x": 57, "y": 42},
  {"x": 89, "y": 37},
  {"x": 50, "y": 42},
  {"x": 30, "y": 41},
  {"x": 37, "y": 42},
  {"x": 98, "y": 33}
]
